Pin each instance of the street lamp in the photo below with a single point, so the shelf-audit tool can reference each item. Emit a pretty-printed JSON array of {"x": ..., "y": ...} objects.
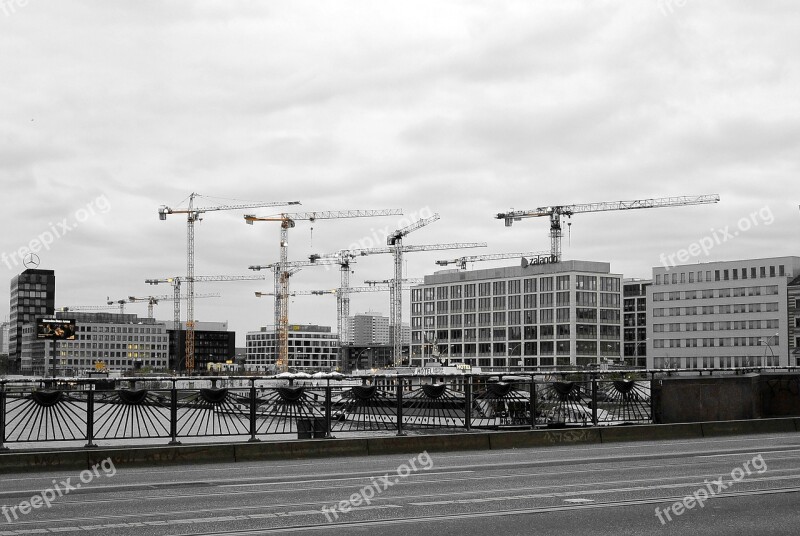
[
  {"x": 510, "y": 353},
  {"x": 358, "y": 355},
  {"x": 767, "y": 343}
]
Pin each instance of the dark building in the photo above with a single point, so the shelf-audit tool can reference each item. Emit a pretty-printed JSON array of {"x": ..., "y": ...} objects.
[
  {"x": 210, "y": 345},
  {"x": 634, "y": 322},
  {"x": 33, "y": 295}
]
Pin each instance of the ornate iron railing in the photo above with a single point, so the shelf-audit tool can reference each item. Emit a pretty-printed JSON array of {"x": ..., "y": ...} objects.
[{"x": 175, "y": 408}]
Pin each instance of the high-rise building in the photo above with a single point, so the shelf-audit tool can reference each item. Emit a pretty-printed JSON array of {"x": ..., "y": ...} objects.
[
  {"x": 539, "y": 315},
  {"x": 721, "y": 314},
  {"x": 634, "y": 322},
  {"x": 4, "y": 332},
  {"x": 371, "y": 329},
  {"x": 33, "y": 294},
  {"x": 311, "y": 347}
]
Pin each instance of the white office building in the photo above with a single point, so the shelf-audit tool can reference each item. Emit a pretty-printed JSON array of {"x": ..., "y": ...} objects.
[
  {"x": 539, "y": 315},
  {"x": 372, "y": 329},
  {"x": 720, "y": 314},
  {"x": 311, "y": 347}
]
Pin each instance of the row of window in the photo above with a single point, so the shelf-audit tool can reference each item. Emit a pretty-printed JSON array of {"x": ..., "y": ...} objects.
[
  {"x": 729, "y": 274},
  {"x": 717, "y": 326},
  {"x": 513, "y": 318},
  {"x": 715, "y": 362},
  {"x": 487, "y": 349},
  {"x": 515, "y": 286},
  {"x": 711, "y": 342},
  {"x": 736, "y": 308},
  {"x": 769, "y": 290},
  {"x": 560, "y": 331}
]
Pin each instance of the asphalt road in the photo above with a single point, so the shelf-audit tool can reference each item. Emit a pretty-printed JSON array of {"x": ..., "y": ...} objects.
[{"x": 607, "y": 489}]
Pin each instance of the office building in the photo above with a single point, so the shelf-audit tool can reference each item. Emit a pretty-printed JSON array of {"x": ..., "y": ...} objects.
[
  {"x": 540, "y": 314},
  {"x": 721, "y": 314},
  {"x": 634, "y": 322},
  {"x": 113, "y": 341},
  {"x": 311, "y": 348},
  {"x": 372, "y": 329},
  {"x": 33, "y": 294},
  {"x": 213, "y": 343},
  {"x": 794, "y": 321}
]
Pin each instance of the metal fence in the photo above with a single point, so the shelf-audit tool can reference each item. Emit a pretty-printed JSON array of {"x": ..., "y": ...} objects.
[{"x": 174, "y": 408}]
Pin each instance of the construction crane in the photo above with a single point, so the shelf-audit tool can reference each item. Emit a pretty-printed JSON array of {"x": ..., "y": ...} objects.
[
  {"x": 118, "y": 303},
  {"x": 193, "y": 214},
  {"x": 282, "y": 271},
  {"x": 345, "y": 257},
  {"x": 395, "y": 242},
  {"x": 557, "y": 212},
  {"x": 462, "y": 261},
  {"x": 374, "y": 286},
  {"x": 176, "y": 290},
  {"x": 78, "y": 308},
  {"x": 287, "y": 221},
  {"x": 154, "y": 300}
]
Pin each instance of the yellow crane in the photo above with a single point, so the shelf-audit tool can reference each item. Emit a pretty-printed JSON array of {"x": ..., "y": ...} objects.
[
  {"x": 557, "y": 213},
  {"x": 193, "y": 214},
  {"x": 176, "y": 290},
  {"x": 282, "y": 274}
]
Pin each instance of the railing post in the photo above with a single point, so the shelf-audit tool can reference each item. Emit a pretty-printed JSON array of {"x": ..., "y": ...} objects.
[
  {"x": 3, "y": 416},
  {"x": 90, "y": 417},
  {"x": 253, "y": 400},
  {"x": 328, "y": 405},
  {"x": 400, "y": 431},
  {"x": 594, "y": 400},
  {"x": 532, "y": 403},
  {"x": 173, "y": 415},
  {"x": 468, "y": 402}
]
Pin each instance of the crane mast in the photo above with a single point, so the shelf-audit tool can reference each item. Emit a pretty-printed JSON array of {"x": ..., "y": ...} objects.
[
  {"x": 557, "y": 212},
  {"x": 193, "y": 215},
  {"x": 287, "y": 221},
  {"x": 176, "y": 299}
]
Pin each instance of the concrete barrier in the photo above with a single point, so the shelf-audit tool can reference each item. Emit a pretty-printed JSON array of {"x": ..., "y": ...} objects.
[
  {"x": 543, "y": 438},
  {"x": 438, "y": 443},
  {"x": 287, "y": 450},
  {"x": 163, "y": 455},
  {"x": 613, "y": 434},
  {"x": 757, "y": 426},
  {"x": 24, "y": 462}
]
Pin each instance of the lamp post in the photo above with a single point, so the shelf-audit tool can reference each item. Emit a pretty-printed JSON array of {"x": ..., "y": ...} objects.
[
  {"x": 510, "y": 353},
  {"x": 358, "y": 355},
  {"x": 767, "y": 343}
]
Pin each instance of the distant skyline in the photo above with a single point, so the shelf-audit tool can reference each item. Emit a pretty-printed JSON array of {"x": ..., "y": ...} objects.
[{"x": 111, "y": 109}]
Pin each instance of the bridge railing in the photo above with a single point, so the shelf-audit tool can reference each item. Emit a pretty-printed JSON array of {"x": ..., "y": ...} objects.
[{"x": 246, "y": 407}]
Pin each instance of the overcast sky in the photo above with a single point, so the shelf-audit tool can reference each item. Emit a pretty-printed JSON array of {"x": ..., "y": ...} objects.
[{"x": 109, "y": 109}]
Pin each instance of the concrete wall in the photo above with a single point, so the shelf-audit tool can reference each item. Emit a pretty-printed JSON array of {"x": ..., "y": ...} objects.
[{"x": 706, "y": 398}]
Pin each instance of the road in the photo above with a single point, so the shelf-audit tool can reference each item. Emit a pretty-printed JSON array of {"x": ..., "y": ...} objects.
[{"x": 596, "y": 489}]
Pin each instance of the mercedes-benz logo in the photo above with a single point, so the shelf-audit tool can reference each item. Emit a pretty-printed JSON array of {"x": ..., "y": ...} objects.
[{"x": 31, "y": 260}]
